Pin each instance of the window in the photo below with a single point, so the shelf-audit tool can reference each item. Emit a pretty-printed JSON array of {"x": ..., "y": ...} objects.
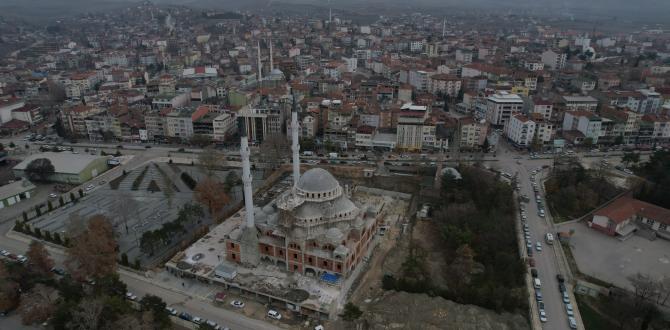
[
  {"x": 309, "y": 259},
  {"x": 663, "y": 227},
  {"x": 232, "y": 245},
  {"x": 295, "y": 256},
  {"x": 650, "y": 222},
  {"x": 267, "y": 249}
]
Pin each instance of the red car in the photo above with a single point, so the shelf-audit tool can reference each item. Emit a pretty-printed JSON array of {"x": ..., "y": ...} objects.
[{"x": 531, "y": 262}]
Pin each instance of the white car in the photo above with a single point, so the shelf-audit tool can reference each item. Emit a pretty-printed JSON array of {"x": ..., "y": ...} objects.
[
  {"x": 52, "y": 195},
  {"x": 21, "y": 258},
  {"x": 213, "y": 324},
  {"x": 131, "y": 296},
  {"x": 274, "y": 314},
  {"x": 90, "y": 187},
  {"x": 171, "y": 311},
  {"x": 196, "y": 320},
  {"x": 543, "y": 316},
  {"x": 568, "y": 309},
  {"x": 538, "y": 246},
  {"x": 4, "y": 253},
  {"x": 237, "y": 304}
]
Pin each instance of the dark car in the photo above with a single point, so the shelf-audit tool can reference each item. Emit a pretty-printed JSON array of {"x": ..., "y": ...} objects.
[
  {"x": 531, "y": 262},
  {"x": 185, "y": 316},
  {"x": 529, "y": 251},
  {"x": 560, "y": 278},
  {"x": 561, "y": 287},
  {"x": 58, "y": 271},
  {"x": 533, "y": 272}
]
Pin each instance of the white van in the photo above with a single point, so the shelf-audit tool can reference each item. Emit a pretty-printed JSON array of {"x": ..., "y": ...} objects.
[
  {"x": 550, "y": 238},
  {"x": 536, "y": 283}
]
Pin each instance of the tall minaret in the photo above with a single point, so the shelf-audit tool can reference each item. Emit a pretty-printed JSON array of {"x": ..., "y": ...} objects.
[
  {"x": 249, "y": 253},
  {"x": 260, "y": 64},
  {"x": 272, "y": 64},
  {"x": 444, "y": 27},
  {"x": 296, "y": 144},
  {"x": 246, "y": 180}
]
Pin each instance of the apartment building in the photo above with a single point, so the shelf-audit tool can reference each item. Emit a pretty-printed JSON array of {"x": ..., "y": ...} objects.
[
  {"x": 554, "y": 59},
  {"x": 501, "y": 106},
  {"x": 584, "y": 122},
  {"x": 520, "y": 130},
  {"x": 580, "y": 103},
  {"x": 471, "y": 133},
  {"x": 225, "y": 124},
  {"x": 445, "y": 84}
]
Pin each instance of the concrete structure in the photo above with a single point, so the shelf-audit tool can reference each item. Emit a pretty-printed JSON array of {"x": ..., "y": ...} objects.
[
  {"x": 225, "y": 125},
  {"x": 68, "y": 168},
  {"x": 472, "y": 133},
  {"x": 15, "y": 192},
  {"x": 500, "y": 107}
]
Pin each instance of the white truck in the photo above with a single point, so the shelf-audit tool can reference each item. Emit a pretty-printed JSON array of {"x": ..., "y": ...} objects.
[{"x": 332, "y": 155}]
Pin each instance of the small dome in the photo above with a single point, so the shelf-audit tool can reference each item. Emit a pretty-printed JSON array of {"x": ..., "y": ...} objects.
[
  {"x": 317, "y": 180},
  {"x": 268, "y": 209},
  {"x": 334, "y": 235}
]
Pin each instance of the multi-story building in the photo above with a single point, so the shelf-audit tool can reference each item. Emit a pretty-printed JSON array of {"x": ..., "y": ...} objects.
[
  {"x": 225, "y": 124},
  {"x": 660, "y": 128},
  {"x": 262, "y": 122},
  {"x": 501, "y": 106},
  {"x": 520, "y": 130},
  {"x": 540, "y": 106},
  {"x": 650, "y": 101},
  {"x": 74, "y": 118},
  {"x": 179, "y": 123},
  {"x": 471, "y": 133},
  {"x": 580, "y": 103},
  {"x": 28, "y": 113},
  {"x": 445, "y": 84},
  {"x": 420, "y": 79},
  {"x": 410, "y": 127},
  {"x": 103, "y": 127},
  {"x": 554, "y": 59},
  {"x": 584, "y": 122}
]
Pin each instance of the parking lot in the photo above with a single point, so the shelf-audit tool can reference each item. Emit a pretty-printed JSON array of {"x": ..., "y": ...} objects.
[{"x": 611, "y": 260}]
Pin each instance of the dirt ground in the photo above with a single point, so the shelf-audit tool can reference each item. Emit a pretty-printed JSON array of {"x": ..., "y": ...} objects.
[{"x": 427, "y": 235}]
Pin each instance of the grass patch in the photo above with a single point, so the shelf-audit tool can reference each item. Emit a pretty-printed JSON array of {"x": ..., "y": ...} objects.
[{"x": 591, "y": 318}]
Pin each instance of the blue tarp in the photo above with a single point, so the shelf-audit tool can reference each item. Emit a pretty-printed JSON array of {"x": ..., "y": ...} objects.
[{"x": 330, "y": 278}]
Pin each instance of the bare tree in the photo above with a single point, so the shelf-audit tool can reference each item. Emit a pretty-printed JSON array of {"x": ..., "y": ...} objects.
[
  {"x": 212, "y": 194},
  {"x": 9, "y": 290},
  {"x": 168, "y": 191},
  {"x": 93, "y": 253},
  {"x": 38, "y": 304},
  {"x": 76, "y": 224},
  {"x": 209, "y": 160},
  {"x": 40, "y": 260},
  {"x": 86, "y": 315},
  {"x": 273, "y": 149},
  {"x": 663, "y": 291},
  {"x": 126, "y": 209},
  {"x": 644, "y": 286}
]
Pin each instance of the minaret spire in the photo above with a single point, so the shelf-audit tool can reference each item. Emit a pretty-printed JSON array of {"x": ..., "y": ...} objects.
[
  {"x": 246, "y": 180},
  {"x": 272, "y": 64},
  {"x": 295, "y": 143},
  {"x": 260, "y": 64}
]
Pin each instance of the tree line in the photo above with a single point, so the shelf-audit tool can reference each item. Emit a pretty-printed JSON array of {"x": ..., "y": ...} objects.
[{"x": 476, "y": 223}]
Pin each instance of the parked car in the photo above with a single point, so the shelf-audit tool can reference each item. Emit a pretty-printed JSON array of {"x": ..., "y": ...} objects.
[
  {"x": 543, "y": 316},
  {"x": 572, "y": 322},
  {"x": 171, "y": 311},
  {"x": 531, "y": 262},
  {"x": 90, "y": 187},
  {"x": 566, "y": 297},
  {"x": 196, "y": 320},
  {"x": 4, "y": 253},
  {"x": 538, "y": 247},
  {"x": 22, "y": 259},
  {"x": 561, "y": 287},
  {"x": 213, "y": 324},
  {"x": 58, "y": 271},
  {"x": 560, "y": 278},
  {"x": 237, "y": 304},
  {"x": 538, "y": 295},
  {"x": 131, "y": 296},
  {"x": 533, "y": 271},
  {"x": 274, "y": 314},
  {"x": 185, "y": 316},
  {"x": 568, "y": 310},
  {"x": 52, "y": 195}
]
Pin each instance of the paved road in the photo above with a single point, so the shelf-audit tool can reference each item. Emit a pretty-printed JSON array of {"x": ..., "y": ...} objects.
[{"x": 140, "y": 286}]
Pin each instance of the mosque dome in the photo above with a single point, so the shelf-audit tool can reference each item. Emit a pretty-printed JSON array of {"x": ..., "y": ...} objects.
[
  {"x": 334, "y": 235},
  {"x": 317, "y": 180}
]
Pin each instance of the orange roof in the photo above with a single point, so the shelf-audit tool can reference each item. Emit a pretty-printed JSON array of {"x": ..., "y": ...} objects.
[
  {"x": 626, "y": 207},
  {"x": 200, "y": 112}
]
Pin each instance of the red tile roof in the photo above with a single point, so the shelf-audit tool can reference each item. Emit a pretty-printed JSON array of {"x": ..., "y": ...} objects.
[{"x": 626, "y": 207}]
